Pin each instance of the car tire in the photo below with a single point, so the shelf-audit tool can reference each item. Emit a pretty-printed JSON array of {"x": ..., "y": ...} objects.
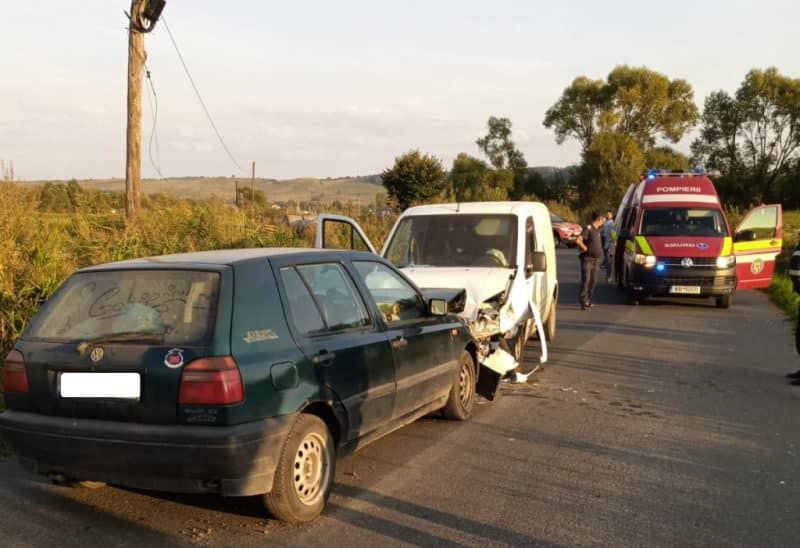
[
  {"x": 557, "y": 240},
  {"x": 462, "y": 392},
  {"x": 305, "y": 472},
  {"x": 550, "y": 324},
  {"x": 723, "y": 301}
]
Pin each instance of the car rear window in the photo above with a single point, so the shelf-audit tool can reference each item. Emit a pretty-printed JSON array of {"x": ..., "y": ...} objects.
[{"x": 178, "y": 306}]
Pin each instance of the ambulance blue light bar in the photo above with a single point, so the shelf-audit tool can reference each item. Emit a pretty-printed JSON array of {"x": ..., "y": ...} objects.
[{"x": 653, "y": 173}]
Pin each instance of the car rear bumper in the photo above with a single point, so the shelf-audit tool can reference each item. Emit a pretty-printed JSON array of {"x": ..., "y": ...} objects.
[
  {"x": 712, "y": 282},
  {"x": 233, "y": 461}
]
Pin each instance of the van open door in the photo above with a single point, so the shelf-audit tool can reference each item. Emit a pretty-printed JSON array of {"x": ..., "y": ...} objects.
[
  {"x": 341, "y": 232},
  {"x": 756, "y": 243}
]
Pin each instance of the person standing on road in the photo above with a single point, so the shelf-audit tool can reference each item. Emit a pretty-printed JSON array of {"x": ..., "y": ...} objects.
[
  {"x": 605, "y": 232},
  {"x": 590, "y": 243}
]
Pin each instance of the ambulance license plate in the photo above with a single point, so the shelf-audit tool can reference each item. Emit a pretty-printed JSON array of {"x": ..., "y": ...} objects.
[{"x": 685, "y": 289}]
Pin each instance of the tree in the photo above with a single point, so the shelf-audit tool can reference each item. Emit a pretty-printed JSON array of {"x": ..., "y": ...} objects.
[
  {"x": 752, "y": 138},
  {"x": 503, "y": 154},
  {"x": 611, "y": 163},
  {"x": 414, "y": 178},
  {"x": 472, "y": 180},
  {"x": 634, "y": 101},
  {"x": 668, "y": 158},
  {"x": 575, "y": 115}
]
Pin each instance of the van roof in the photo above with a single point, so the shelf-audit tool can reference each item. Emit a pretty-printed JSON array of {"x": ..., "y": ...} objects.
[
  {"x": 477, "y": 207},
  {"x": 677, "y": 189}
]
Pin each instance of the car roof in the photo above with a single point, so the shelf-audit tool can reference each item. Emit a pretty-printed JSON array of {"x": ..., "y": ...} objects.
[
  {"x": 227, "y": 257},
  {"x": 513, "y": 208}
]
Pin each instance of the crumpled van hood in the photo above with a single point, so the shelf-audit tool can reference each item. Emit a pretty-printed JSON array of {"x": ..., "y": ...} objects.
[{"x": 480, "y": 283}]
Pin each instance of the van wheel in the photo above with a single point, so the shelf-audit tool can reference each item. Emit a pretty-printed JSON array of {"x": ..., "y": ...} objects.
[
  {"x": 550, "y": 324},
  {"x": 462, "y": 393},
  {"x": 723, "y": 301},
  {"x": 305, "y": 472}
]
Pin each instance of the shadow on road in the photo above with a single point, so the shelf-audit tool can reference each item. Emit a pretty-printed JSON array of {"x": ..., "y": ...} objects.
[{"x": 484, "y": 532}]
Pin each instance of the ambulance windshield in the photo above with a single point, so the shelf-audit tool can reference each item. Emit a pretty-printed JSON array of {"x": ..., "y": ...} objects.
[{"x": 682, "y": 221}]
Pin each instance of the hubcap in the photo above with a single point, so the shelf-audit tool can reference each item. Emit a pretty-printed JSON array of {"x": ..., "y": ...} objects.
[
  {"x": 310, "y": 469},
  {"x": 464, "y": 384}
]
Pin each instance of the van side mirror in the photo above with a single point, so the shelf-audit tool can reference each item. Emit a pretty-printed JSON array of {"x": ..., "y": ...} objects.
[
  {"x": 538, "y": 263},
  {"x": 745, "y": 236}
]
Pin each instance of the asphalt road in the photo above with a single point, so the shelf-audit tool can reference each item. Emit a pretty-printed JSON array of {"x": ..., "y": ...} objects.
[{"x": 659, "y": 425}]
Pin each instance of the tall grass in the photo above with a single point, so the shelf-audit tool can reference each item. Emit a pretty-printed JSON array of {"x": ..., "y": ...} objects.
[
  {"x": 40, "y": 248},
  {"x": 782, "y": 290}
]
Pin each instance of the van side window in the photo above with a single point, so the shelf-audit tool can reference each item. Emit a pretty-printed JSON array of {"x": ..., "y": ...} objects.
[
  {"x": 530, "y": 243},
  {"x": 302, "y": 309},
  {"x": 396, "y": 299},
  {"x": 335, "y": 296}
]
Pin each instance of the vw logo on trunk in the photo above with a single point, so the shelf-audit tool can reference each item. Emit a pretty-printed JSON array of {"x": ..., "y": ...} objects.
[
  {"x": 96, "y": 354},
  {"x": 687, "y": 262}
]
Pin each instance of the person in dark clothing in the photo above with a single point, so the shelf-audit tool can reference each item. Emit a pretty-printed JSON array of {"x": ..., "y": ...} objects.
[{"x": 590, "y": 242}]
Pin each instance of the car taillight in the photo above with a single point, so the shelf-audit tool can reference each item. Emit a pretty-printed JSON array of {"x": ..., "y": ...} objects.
[
  {"x": 15, "y": 375},
  {"x": 211, "y": 381}
]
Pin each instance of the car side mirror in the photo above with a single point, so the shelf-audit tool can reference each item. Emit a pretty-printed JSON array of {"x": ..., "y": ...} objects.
[
  {"x": 538, "y": 263},
  {"x": 437, "y": 307},
  {"x": 745, "y": 236}
]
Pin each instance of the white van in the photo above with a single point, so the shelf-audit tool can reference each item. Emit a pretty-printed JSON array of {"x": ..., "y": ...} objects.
[{"x": 501, "y": 253}]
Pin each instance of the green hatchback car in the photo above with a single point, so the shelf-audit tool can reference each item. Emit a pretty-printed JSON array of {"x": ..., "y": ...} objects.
[{"x": 238, "y": 372}]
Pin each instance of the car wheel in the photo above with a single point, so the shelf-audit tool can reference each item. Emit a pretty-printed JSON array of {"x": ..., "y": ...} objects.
[
  {"x": 305, "y": 471},
  {"x": 723, "y": 301},
  {"x": 557, "y": 240},
  {"x": 550, "y": 324},
  {"x": 462, "y": 393}
]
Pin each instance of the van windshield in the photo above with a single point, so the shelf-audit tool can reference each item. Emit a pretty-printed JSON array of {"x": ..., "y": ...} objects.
[
  {"x": 682, "y": 221},
  {"x": 177, "y": 305},
  {"x": 476, "y": 240}
]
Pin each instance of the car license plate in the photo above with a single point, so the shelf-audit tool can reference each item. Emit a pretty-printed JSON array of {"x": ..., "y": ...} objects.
[
  {"x": 100, "y": 385},
  {"x": 685, "y": 289}
]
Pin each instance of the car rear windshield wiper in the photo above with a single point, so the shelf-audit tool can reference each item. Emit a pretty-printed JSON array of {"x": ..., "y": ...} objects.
[{"x": 137, "y": 336}]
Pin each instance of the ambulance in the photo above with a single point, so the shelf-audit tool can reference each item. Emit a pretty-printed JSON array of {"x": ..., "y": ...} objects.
[{"x": 673, "y": 239}]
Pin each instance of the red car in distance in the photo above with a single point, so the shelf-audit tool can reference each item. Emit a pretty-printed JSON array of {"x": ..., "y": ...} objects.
[{"x": 564, "y": 232}]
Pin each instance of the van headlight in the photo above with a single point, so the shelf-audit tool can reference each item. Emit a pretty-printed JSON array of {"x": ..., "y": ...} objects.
[
  {"x": 646, "y": 260},
  {"x": 726, "y": 262}
]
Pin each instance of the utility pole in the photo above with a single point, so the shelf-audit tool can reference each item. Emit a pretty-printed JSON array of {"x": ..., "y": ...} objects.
[
  {"x": 133, "y": 158},
  {"x": 142, "y": 19}
]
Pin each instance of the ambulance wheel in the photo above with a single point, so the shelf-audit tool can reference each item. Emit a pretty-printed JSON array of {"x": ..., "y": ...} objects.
[{"x": 724, "y": 301}]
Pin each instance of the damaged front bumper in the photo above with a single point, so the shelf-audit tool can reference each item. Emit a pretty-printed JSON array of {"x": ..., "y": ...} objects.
[{"x": 493, "y": 326}]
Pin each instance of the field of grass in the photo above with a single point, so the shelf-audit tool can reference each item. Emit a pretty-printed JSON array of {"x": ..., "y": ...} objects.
[
  {"x": 781, "y": 291},
  {"x": 327, "y": 191}
]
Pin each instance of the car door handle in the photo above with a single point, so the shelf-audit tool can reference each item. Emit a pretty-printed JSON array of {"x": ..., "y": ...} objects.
[
  {"x": 399, "y": 342},
  {"x": 325, "y": 358}
]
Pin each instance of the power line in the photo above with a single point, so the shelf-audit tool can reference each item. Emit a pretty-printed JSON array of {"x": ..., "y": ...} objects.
[
  {"x": 199, "y": 97},
  {"x": 151, "y": 90}
]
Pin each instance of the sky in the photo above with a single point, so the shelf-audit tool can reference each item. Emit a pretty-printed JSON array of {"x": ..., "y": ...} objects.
[{"x": 329, "y": 89}]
